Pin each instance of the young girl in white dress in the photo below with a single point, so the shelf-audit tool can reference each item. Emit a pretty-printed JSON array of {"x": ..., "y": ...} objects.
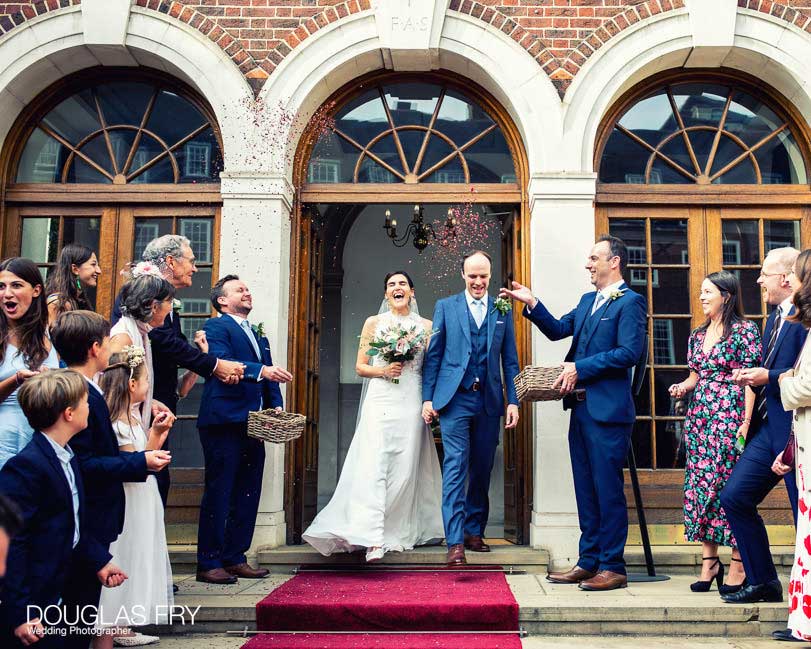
[{"x": 146, "y": 596}]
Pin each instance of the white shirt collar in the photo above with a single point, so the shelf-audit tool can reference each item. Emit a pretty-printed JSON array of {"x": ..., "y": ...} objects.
[
  {"x": 612, "y": 287},
  {"x": 64, "y": 453},
  {"x": 95, "y": 385},
  {"x": 237, "y": 318},
  {"x": 471, "y": 299},
  {"x": 785, "y": 306}
]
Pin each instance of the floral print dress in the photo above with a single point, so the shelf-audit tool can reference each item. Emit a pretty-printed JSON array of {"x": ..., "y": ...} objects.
[{"x": 711, "y": 427}]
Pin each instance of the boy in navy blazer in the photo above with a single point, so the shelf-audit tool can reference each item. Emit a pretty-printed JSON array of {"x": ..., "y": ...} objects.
[
  {"x": 45, "y": 482},
  {"x": 234, "y": 462},
  {"x": 82, "y": 340},
  {"x": 608, "y": 333}
]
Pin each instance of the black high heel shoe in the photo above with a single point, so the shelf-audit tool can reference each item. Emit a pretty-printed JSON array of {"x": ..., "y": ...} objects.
[
  {"x": 704, "y": 586},
  {"x": 725, "y": 589}
]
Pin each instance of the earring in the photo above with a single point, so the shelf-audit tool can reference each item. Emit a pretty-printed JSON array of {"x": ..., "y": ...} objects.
[{"x": 78, "y": 284}]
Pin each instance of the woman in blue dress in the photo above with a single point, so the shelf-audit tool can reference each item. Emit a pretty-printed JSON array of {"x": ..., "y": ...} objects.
[{"x": 25, "y": 348}]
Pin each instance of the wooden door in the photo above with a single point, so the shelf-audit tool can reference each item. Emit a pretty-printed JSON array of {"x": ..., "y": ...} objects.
[
  {"x": 518, "y": 442},
  {"x": 301, "y": 458},
  {"x": 671, "y": 250}
]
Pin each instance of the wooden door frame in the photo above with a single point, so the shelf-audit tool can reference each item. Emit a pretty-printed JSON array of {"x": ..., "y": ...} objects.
[{"x": 427, "y": 193}]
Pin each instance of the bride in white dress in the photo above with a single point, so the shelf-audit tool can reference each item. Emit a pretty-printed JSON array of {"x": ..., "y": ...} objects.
[{"x": 389, "y": 495}]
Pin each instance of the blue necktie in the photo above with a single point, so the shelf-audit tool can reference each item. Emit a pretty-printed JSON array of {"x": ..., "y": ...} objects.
[
  {"x": 249, "y": 332},
  {"x": 478, "y": 316}
]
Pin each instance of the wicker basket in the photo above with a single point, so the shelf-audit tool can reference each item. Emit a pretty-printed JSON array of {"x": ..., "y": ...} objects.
[
  {"x": 535, "y": 383},
  {"x": 275, "y": 427}
]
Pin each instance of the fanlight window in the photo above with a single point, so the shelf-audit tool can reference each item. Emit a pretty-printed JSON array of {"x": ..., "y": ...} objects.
[
  {"x": 704, "y": 133},
  {"x": 122, "y": 132},
  {"x": 412, "y": 133}
]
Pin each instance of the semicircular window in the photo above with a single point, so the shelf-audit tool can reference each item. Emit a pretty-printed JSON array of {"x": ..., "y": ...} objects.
[
  {"x": 411, "y": 132},
  {"x": 120, "y": 133},
  {"x": 702, "y": 133}
]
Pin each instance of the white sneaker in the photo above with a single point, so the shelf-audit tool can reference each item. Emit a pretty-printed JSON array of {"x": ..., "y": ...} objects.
[
  {"x": 374, "y": 554},
  {"x": 135, "y": 640}
]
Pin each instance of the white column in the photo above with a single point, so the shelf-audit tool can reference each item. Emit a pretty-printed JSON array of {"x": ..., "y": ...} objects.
[
  {"x": 255, "y": 244},
  {"x": 562, "y": 233}
]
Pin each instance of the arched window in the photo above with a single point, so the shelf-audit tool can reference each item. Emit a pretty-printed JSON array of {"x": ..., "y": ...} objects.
[
  {"x": 122, "y": 132},
  {"x": 702, "y": 133},
  {"x": 411, "y": 132}
]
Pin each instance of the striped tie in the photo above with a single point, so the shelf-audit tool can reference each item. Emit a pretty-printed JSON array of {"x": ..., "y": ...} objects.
[
  {"x": 761, "y": 397},
  {"x": 598, "y": 302}
]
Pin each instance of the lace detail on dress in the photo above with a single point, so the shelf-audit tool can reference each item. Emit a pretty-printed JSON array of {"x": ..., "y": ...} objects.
[{"x": 388, "y": 319}]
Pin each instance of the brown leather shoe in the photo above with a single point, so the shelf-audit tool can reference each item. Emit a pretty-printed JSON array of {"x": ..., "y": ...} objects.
[
  {"x": 604, "y": 580},
  {"x": 456, "y": 556},
  {"x": 476, "y": 543},
  {"x": 244, "y": 570},
  {"x": 215, "y": 576},
  {"x": 572, "y": 576}
]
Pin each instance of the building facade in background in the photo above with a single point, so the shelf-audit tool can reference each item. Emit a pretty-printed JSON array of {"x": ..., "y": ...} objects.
[{"x": 275, "y": 135}]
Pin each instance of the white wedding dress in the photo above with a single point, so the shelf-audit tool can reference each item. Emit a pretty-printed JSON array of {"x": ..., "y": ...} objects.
[{"x": 389, "y": 494}]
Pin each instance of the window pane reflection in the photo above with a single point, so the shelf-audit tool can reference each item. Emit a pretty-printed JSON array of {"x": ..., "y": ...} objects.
[
  {"x": 669, "y": 241},
  {"x": 671, "y": 290},
  {"x": 739, "y": 244},
  {"x": 670, "y": 444},
  {"x": 670, "y": 337},
  {"x": 780, "y": 234}
]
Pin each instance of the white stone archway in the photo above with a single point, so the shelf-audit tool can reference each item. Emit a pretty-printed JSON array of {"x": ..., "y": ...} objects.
[{"x": 49, "y": 47}]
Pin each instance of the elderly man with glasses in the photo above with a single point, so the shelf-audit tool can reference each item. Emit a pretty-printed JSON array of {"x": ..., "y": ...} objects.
[{"x": 752, "y": 478}]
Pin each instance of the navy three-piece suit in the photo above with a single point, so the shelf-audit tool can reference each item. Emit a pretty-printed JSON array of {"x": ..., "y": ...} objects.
[
  {"x": 752, "y": 478},
  {"x": 41, "y": 555},
  {"x": 605, "y": 346},
  {"x": 234, "y": 461},
  {"x": 459, "y": 353}
]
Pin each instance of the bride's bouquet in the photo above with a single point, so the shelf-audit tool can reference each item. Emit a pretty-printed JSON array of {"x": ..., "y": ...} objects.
[{"x": 398, "y": 344}]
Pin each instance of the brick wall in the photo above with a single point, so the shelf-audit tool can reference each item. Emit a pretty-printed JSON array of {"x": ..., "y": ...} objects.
[{"x": 560, "y": 34}]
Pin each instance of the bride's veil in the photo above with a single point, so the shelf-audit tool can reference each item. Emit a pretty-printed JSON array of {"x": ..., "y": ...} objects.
[{"x": 384, "y": 308}]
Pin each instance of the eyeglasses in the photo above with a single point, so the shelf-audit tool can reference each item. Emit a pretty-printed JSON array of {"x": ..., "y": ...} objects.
[{"x": 762, "y": 274}]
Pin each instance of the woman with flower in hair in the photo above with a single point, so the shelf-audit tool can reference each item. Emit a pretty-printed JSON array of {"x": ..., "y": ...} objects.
[
  {"x": 146, "y": 596},
  {"x": 146, "y": 300}
]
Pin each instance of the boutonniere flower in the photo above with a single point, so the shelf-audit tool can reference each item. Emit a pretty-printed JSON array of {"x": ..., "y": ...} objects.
[
  {"x": 176, "y": 305},
  {"x": 259, "y": 329},
  {"x": 616, "y": 294},
  {"x": 502, "y": 305}
]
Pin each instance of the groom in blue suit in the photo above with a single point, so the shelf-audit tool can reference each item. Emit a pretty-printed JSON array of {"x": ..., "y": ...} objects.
[
  {"x": 461, "y": 384},
  {"x": 234, "y": 462},
  {"x": 608, "y": 334}
]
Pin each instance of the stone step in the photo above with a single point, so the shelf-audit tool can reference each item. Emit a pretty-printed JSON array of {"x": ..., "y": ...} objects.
[
  {"x": 668, "y": 559},
  {"x": 661, "y": 609}
]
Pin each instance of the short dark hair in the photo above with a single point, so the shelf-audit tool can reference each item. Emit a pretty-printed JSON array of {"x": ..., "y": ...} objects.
[
  {"x": 392, "y": 274},
  {"x": 470, "y": 253},
  {"x": 617, "y": 248},
  {"x": 10, "y": 519},
  {"x": 44, "y": 397},
  {"x": 74, "y": 333},
  {"x": 218, "y": 291},
  {"x": 140, "y": 294}
]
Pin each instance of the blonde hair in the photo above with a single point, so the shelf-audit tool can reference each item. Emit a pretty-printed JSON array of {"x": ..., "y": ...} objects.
[{"x": 44, "y": 397}]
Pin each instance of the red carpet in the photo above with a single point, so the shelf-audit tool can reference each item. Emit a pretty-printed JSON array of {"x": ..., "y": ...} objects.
[{"x": 389, "y": 601}]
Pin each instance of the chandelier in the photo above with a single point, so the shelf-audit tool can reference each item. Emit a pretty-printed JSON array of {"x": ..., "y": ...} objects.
[{"x": 421, "y": 232}]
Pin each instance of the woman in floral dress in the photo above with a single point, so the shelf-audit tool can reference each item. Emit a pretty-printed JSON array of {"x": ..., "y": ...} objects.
[{"x": 719, "y": 413}]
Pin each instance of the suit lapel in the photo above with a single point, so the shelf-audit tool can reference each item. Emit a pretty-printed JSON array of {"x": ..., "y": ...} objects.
[
  {"x": 767, "y": 333},
  {"x": 56, "y": 466},
  {"x": 491, "y": 318},
  {"x": 461, "y": 314},
  {"x": 600, "y": 313},
  {"x": 780, "y": 336},
  {"x": 239, "y": 331},
  {"x": 583, "y": 313}
]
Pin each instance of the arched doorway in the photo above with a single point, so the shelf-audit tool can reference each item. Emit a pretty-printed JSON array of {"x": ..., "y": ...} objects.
[
  {"x": 393, "y": 141},
  {"x": 111, "y": 158},
  {"x": 697, "y": 171}
]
